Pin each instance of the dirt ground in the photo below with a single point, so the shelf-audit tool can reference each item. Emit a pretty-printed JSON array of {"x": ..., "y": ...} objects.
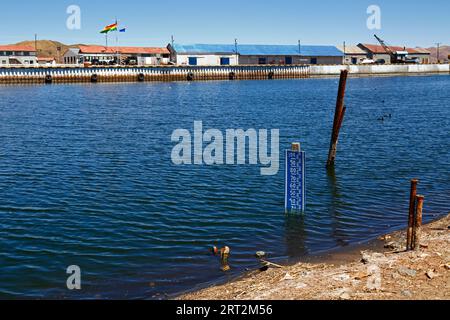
[{"x": 391, "y": 273}]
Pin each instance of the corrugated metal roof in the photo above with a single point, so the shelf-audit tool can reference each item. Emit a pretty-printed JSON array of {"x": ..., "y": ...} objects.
[
  {"x": 379, "y": 49},
  {"x": 74, "y": 50},
  {"x": 23, "y": 48},
  {"x": 124, "y": 50},
  {"x": 204, "y": 48},
  {"x": 422, "y": 51},
  {"x": 351, "y": 50},
  {"x": 268, "y": 50},
  {"x": 259, "y": 50}
]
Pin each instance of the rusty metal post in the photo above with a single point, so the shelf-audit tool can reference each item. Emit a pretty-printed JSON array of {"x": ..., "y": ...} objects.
[
  {"x": 338, "y": 118},
  {"x": 418, "y": 222},
  {"x": 412, "y": 209}
]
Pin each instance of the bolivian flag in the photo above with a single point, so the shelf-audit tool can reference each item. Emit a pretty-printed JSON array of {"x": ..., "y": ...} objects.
[{"x": 111, "y": 27}]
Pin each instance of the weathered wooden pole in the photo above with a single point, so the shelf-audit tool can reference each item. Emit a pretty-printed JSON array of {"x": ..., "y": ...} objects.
[
  {"x": 418, "y": 222},
  {"x": 338, "y": 119},
  {"x": 412, "y": 209}
]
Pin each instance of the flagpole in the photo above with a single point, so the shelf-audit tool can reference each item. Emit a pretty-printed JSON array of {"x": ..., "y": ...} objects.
[{"x": 117, "y": 43}]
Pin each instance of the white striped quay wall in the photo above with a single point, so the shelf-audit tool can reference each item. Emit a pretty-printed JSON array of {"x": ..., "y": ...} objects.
[
  {"x": 66, "y": 75},
  {"x": 133, "y": 74}
]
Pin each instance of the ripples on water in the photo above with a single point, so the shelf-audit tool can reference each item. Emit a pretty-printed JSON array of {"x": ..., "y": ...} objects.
[{"x": 86, "y": 178}]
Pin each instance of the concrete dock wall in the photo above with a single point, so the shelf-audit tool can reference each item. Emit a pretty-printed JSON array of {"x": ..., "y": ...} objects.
[
  {"x": 94, "y": 75},
  {"x": 380, "y": 69},
  {"x": 171, "y": 73}
]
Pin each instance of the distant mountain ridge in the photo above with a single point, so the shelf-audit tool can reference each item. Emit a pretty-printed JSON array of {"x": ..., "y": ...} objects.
[
  {"x": 444, "y": 52},
  {"x": 49, "y": 48}
]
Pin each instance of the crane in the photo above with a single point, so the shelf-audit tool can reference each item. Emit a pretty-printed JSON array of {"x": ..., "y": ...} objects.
[{"x": 394, "y": 56}]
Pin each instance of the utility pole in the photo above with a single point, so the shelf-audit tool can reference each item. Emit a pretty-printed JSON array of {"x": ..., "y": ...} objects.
[
  {"x": 173, "y": 56},
  {"x": 35, "y": 42},
  {"x": 236, "y": 50},
  {"x": 299, "y": 51},
  {"x": 345, "y": 59},
  {"x": 117, "y": 44},
  {"x": 438, "y": 52}
]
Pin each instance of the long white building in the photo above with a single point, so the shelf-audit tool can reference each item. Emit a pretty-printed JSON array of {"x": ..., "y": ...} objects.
[
  {"x": 245, "y": 54},
  {"x": 96, "y": 55},
  {"x": 204, "y": 55}
]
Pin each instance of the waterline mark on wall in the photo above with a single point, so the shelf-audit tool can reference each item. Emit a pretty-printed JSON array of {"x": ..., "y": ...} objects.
[
  {"x": 236, "y": 146},
  {"x": 73, "y": 22},
  {"x": 374, "y": 19},
  {"x": 74, "y": 280}
]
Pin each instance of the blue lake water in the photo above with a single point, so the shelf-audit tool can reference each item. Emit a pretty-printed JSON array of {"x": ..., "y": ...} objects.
[{"x": 86, "y": 179}]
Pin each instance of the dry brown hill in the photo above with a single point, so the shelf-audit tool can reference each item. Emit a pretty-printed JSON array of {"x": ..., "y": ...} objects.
[
  {"x": 49, "y": 48},
  {"x": 444, "y": 53}
]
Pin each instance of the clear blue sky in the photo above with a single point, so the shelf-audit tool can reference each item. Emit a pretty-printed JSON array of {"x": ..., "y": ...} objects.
[{"x": 151, "y": 23}]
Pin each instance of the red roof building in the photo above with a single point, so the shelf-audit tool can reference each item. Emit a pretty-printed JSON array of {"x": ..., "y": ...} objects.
[
  {"x": 377, "y": 52},
  {"x": 379, "y": 49},
  {"x": 20, "y": 55},
  {"x": 102, "y": 55},
  {"x": 17, "y": 48},
  {"x": 122, "y": 50}
]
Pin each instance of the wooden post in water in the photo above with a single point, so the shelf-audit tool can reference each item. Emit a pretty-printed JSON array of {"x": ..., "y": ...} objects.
[
  {"x": 338, "y": 119},
  {"x": 418, "y": 222},
  {"x": 412, "y": 209}
]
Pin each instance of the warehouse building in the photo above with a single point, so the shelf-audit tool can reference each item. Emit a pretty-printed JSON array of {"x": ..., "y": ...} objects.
[
  {"x": 224, "y": 54},
  {"x": 203, "y": 54},
  {"x": 20, "y": 55},
  {"x": 353, "y": 54},
  {"x": 100, "y": 55},
  {"x": 288, "y": 54},
  {"x": 423, "y": 55},
  {"x": 379, "y": 54}
]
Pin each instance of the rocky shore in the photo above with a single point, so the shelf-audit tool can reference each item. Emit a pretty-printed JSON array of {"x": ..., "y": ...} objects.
[{"x": 381, "y": 274}]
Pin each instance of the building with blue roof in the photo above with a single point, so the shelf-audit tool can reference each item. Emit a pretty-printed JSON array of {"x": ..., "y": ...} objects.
[
  {"x": 245, "y": 54},
  {"x": 204, "y": 54}
]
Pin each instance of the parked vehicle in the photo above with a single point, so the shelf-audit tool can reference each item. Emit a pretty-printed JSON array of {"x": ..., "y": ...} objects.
[
  {"x": 413, "y": 60},
  {"x": 368, "y": 61},
  {"x": 130, "y": 61}
]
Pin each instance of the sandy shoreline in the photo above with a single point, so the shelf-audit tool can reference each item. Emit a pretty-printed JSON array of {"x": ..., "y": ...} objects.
[{"x": 374, "y": 274}]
